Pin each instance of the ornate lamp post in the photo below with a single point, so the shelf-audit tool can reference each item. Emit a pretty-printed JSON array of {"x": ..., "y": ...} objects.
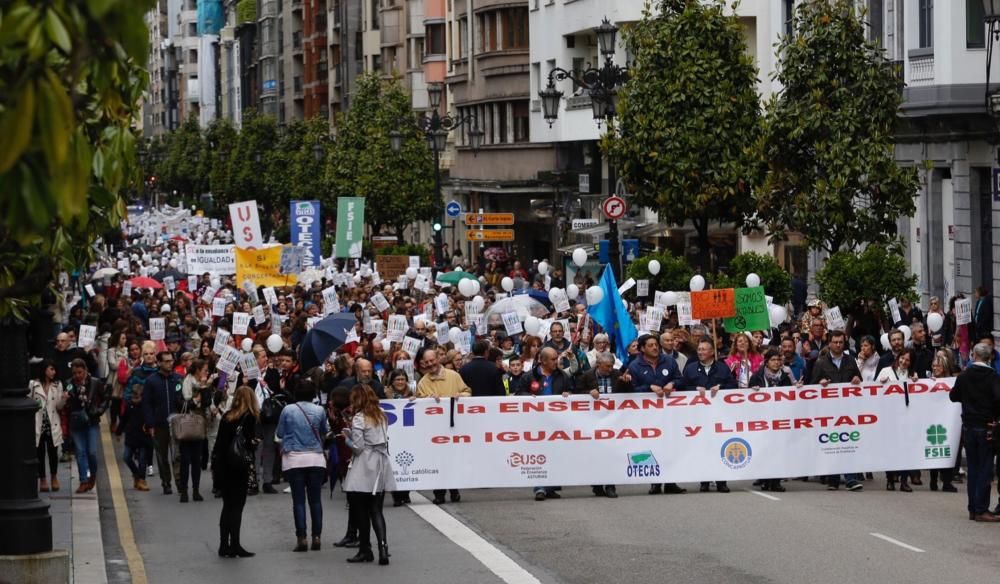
[
  {"x": 435, "y": 129},
  {"x": 991, "y": 12},
  {"x": 602, "y": 84}
]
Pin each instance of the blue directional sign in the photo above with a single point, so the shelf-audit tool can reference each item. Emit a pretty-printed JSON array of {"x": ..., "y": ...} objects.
[{"x": 453, "y": 210}]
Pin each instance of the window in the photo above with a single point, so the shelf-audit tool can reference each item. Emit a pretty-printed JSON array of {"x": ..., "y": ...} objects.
[
  {"x": 521, "y": 123},
  {"x": 435, "y": 39},
  {"x": 925, "y": 22},
  {"x": 788, "y": 15},
  {"x": 488, "y": 32},
  {"x": 374, "y": 9},
  {"x": 515, "y": 26},
  {"x": 876, "y": 22},
  {"x": 377, "y": 63},
  {"x": 463, "y": 35},
  {"x": 975, "y": 28},
  {"x": 192, "y": 29}
]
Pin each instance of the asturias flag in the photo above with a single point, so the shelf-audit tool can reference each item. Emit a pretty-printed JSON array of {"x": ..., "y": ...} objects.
[{"x": 611, "y": 314}]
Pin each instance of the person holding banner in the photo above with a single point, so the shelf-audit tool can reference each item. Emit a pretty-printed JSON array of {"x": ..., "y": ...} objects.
[
  {"x": 604, "y": 379},
  {"x": 978, "y": 390},
  {"x": 836, "y": 366},
  {"x": 438, "y": 382},
  {"x": 546, "y": 379},
  {"x": 773, "y": 373},
  {"x": 708, "y": 374}
]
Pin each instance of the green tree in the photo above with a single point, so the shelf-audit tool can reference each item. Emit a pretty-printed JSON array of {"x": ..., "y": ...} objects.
[
  {"x": 281, "y": 162},
  {"x": 775, "y": 280},
  {"x": 877, "y": 273},
  {"x": 183, "y": 170},
  {"x": 675, "y": 273},
  {"x": 688, "y": 117},
  {"x": 220, "y": 141},
  {"x": 308, "y": 180},
  {"x": 71, "y": 77},
  {"x": 398, "y": 187},
  {"x": 248, "y": 165},
  {"x": 828, "y": 141}
]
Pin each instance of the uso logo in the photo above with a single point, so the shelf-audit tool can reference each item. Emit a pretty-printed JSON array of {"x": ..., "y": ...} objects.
[
  {"x": 515, "y": 460},
  {"x": 736, "y": 453}
]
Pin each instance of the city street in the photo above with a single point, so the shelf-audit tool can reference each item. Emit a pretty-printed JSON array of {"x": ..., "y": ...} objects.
[{"x": 807, "y": 532}]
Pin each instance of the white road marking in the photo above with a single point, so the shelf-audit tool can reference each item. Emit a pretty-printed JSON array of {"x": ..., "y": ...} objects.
[
  {"x": 897, "y": 542},
  {"x": 495, "y": 560},
  {"x": 765, "y": 495}
]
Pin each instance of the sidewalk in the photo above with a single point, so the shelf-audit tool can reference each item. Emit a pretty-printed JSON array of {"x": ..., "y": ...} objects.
[{"x": 76, "y": 527}]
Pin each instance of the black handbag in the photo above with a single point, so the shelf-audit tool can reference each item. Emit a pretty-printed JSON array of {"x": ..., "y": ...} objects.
[
  {"x": 270, "y": 410},
  {"x": 240, "y": 453}
]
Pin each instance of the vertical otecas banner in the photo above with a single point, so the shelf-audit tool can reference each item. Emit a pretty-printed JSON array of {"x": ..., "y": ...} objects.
[{"x": 305, "y": 230}]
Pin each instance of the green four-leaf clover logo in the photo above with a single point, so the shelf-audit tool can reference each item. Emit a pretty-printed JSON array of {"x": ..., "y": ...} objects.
[{"x": 936, "y": 434}]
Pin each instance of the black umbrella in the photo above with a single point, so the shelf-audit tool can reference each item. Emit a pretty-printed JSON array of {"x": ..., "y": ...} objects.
[
  {"x": 325, "y": 337},
  {"x": 177, "y": 275}
]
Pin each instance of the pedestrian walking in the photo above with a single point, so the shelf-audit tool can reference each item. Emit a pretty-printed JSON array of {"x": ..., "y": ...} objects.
[
  {"x": 370, "y": 474},
  {"x": 86, "y": 404},
  {"x": 138, "y": 447},
  {"x": 160, "y": 398},
  {"x": 302, "y": 430},
  {"x": 978, "y": 390},
  {"x": 233, "y": 464},
  {"x": 195, "y": 398},
  {"x": 48, "y": 392}
]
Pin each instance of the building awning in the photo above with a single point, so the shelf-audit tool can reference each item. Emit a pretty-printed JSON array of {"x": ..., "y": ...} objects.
[{"x": 648, "y": 230}]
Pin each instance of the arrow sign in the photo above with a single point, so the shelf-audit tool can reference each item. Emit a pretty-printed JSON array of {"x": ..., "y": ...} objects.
[
  {"x": 490, "y": 235},
  {"x": 489, "y": 218},
  {"x": 453, "y": 210}
]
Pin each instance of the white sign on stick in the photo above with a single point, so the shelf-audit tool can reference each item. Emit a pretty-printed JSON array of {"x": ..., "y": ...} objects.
[
  {"x": 241, "y": 322},
  {"x": 512, "y": 323},
  {"x": 88, "y": 335},
  {"x": 157, "y": 329},
  {"x": 246, "y": 225},
  {"x": 963, "y": 311}
]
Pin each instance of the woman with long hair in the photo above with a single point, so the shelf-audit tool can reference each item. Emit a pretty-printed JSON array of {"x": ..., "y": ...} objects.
[
  {"x": 900, "y": 371},
  {"x": 370, "y": 474},
  {"x": 233, "y": 473},
  {"x": 743, "y": 359},
  {"x": 117, "y": 359},
  {"x": 48, "y": 392}
]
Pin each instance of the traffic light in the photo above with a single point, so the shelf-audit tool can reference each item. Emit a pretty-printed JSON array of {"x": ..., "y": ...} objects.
[{"x": 437, "y": 226}]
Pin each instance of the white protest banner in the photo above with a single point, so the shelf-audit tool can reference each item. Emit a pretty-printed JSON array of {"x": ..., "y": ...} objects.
[
  {"x": 478, "y": 322},
  {"x": 229, "y": 360},
  {"x": 292, "y": 260},
  {"x": 654, "y": 317},
  {"x": 222, "y": 337},
  {"x": 169, "y": 284},
  {"x": 512, "y": 323},
  {"x": 209, "y": 294},
  {"x": 442, "y": 332},
  {"x": 219, "y": 306},
  {"x": 963, "y": 311},
  {"x": 561, "y": 303},
  {"x": 241, "y": 322},
  {"x": 407, "y": 366},
  {"x": 258, "y": 315},
  {"x": 441, "y": 304},
  {"x": 415, "y": 262},
  {"x": 660, "y": 298},
  {"x": 684, "y": 314},
  {"x": 377, "y": 326},
  {"x": 422, "y": 283},
  {"x": 248, "y": 363},
  {"x": 381, "y": 304},
  {"x": 543, "y": 330},
  {"x": 157, "y": 329},
  {"x": 352, "y": 336},
  {"x": 639, "y": 438},
  {"x": 626, "y": 286},
  {"x": 90, "y": 290},
  {"x": 464, "y": 342},
  {"x": 246, "y": 225},
  {"x": 330, "y": 299},
  {"x": 419, "y": 318},
  {"x": 397, "y": 328},
  {"x": 87, "y": 337},
  {"x": 192, "y": 284},
  {"x": 270, "y": 296},
  {"x": 251, "y": 291},
  {"x": 643, "y": 326},
  {"x": 412, "y": 345},
  {"x": 894, "y": 310},
  {"x": 275, "y": 324},
  {"x": 126, "y": 289},
  {"x": 835, "y": 320},
  {"x": 642, "y": 288},
  {"x": 213, "y": 259}
]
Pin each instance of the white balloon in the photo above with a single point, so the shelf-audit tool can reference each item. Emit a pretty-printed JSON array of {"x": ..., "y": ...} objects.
[
  {"x": 246, "y": 344},
  {"x": 906, "y": 333},
  {"x": 172, "y": 263},
  {"x": 467, "y": 287},
  {"x": 532, "y": 325},
  {"x": 885, "y": 341},
  {"x": 594, "y": 295},
  {"x": 478, "y": 302},
  {"x": 476, "y": 287},
  {"x": 753, "y": 280},
  {"x": 555, "y": 294},
  {"x": 411, "y": 273},
  {"x": 454, "y": 334},
  {"x": 572, "y": 291},
  {"x": 654, "y": 267},
  {"x": 778, "y": 315},
  {"x": 935, "y": 321},
  {"x": 275, "y": 343},
  {"x": 507, "y": 284},
  {"x": 543, "y": 268},
  {"x": 697, "y": 283},
  {"x": 579, "y": 257},
  {"x": 357, "y": 278},
  {"x": 164, "y": 308},
  {"x": 670, "y": 298}
]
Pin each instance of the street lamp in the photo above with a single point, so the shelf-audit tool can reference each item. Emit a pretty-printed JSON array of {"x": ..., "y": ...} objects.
[
  {"x": 603, "y": 85},
  {"x": 991, "y": 14},
  {"x": 318, "y": 152},
  {"x": 435, "y": 129}
]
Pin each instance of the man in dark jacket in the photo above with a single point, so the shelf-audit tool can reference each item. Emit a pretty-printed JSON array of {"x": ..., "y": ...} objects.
[
  {"x": 482, "y": 375},
  {"x": 160, "y": 397},
  {"x": 603, "y": 379},
  {"x": 546, "y": 379},
  {"x": 982, "y": 313},
  {"x": 364, "y": 374},
  {"x": 836, "y": 366},
  {"x": 978, "y": 390},
  {"x": 923, "y": 354},
  {"x": 653, "y": 370},
  {"x": 708, "y": 374},
  {"x": 897, "y": 343}
]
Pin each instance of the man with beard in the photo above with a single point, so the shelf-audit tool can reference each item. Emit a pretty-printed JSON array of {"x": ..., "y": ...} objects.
[{"x": 364, "y": 375}]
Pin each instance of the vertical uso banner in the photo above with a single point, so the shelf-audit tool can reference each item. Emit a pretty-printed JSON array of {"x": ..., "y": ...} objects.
[
  {"x": 350, "y": 226},
  {"x": 305, "y": 229}
]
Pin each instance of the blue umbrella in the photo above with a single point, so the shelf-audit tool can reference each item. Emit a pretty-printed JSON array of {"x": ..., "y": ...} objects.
[
  {"x": 539, "y": 295},
  {"x": 325, "y": 337}
]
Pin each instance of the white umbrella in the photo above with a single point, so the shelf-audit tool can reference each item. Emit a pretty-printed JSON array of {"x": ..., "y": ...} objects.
[{"x": 105, "y": 273}]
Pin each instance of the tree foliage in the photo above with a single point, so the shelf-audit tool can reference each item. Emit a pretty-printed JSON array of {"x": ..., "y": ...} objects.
[
  {"x": 250, "y": 161},
  {"x": 775, "y": 280},
  {"x": 398, "y": 187},
  {"x": 828, "y": 139},
  {"x": 183, "y": 170},
  {"x": 70, "y": 81},
  {"x": 689, "y": 116},
  {"x": 878, "y": 273},
  {"x": 219, "y": 143},
  {"x": 675, "y": 273}
]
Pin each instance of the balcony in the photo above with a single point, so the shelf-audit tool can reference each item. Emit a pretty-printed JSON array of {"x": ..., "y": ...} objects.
[
  {"x": 268, "y": 9},
  {"x": 268, "y": 49},
  {"x": 319, "y": 24},
  {"x": 390, "y": 35},
  {"x": 297, "y": 41},
  {"x": 922, "y": 70},
  {"x": 297, "y": 87},
  {"x": 296, "y": 5}
]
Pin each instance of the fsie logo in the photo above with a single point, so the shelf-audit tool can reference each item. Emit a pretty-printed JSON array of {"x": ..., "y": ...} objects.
[
  {"x": 516, "y": 460},
  {"x": 736, "y": 453},
  {"x": 642, "y": 464},
  {"x": 937, "y": 438}
]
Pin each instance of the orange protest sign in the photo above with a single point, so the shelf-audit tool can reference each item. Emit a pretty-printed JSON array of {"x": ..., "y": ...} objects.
[{"x": 719, "y": 303}]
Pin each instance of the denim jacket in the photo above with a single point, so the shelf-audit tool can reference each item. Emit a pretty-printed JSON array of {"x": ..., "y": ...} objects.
[{"x": 296, "y": 434}]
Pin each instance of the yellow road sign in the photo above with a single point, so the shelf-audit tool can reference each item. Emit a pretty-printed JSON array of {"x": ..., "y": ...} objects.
[
  {"x": 490, "y": 235},
  {"x": 489, "y": 218}
]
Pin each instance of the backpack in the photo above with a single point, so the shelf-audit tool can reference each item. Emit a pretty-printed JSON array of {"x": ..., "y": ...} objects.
[{"x": 270, "y": 410}]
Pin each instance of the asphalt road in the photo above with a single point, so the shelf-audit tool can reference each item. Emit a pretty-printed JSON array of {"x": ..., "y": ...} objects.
[{"x": 806, "y": 534}]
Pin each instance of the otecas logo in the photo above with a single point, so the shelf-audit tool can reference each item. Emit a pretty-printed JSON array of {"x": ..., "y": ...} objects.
[
  {"x": 516, "y": 460},
  {"x": 835, "y": 437}
]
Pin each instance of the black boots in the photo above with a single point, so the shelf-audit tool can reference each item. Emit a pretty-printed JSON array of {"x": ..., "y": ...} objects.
[
  {"x": 301, "y": 545},
  {"x": 224, "y": 550},
  {"x": 315, "y": 544},
  {"x": 383, "y": 554},
  {"x": 364, "y": 556}
]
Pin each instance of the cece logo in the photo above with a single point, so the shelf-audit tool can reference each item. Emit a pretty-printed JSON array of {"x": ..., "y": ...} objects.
[{"x": 835, "y": 437}]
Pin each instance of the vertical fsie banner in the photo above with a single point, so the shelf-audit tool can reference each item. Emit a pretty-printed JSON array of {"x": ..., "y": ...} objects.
[
  {"x": 305, "y": 230},
  {"x": 350, "y": 226},
  {"x": 246, "y": 225}
]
